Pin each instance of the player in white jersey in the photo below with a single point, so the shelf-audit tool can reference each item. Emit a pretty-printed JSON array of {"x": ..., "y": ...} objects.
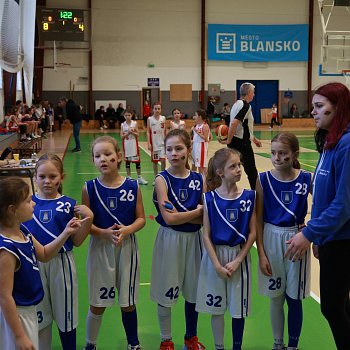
[
  {"x": 21, "y": 288},
  {"x": 51, "y": 214},
  {"x": 281, "y": 210},
  {"x": 113, "y": 262},
  {"x": 155, "y": 136},
  {"x": 200, "y": 142},
  {"x": 229, "y": 223},
  {"x": 177, "y": 123},
  {"x": 129, "y": 134},
  {"x": 178, "y": 248}
]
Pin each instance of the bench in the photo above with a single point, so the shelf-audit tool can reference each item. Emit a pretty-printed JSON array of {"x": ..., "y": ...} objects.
[
  {"x": 7, "y": 140},
  {"x": 27, "y": 148}
]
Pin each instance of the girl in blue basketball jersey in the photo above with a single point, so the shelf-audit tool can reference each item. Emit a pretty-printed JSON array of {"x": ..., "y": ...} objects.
[
  {"x": 21, "y": 288},
  {"x": 281, "y": 209},
  {"x": 113, "y": 259},
  {"x": 178, "y": 248},
  {"x": 229, "y": 232},
  {"x": 51, "y": 214}
]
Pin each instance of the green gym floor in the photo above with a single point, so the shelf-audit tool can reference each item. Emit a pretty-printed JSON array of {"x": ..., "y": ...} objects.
[{"x": 315, "y": 335}]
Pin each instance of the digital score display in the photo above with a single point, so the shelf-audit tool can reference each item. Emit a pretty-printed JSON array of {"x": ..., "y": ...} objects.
[{"x": 61, "y": 24}]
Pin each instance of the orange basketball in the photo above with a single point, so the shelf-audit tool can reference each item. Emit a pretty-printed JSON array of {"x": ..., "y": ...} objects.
[{"x": 222, "y": 132}]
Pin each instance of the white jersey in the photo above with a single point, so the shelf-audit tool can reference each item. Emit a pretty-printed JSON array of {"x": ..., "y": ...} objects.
[
  {"x": 199, "y": 130},
  {"x": 181, "y": 125},
  {"x": 200, "y": 147},
  {"x": 130, "y": 142},
  {"x": 157, "y": 132}
]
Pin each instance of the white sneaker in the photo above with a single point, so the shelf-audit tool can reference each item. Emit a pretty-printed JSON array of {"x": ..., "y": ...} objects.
[
  {"x": 142, "y": 181},
  {"x": 101, "y": 128},
  {"x": 105, "y": 126},
  {"x": 136, "y": 347},
  {"x": 153, "y": 183}
]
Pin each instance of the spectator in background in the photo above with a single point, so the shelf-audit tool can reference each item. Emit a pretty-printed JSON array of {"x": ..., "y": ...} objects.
[
  {"x": 120, "y": 114},
  {"x": 100, "y": 115},
  {"x": 20, "y": 106},
  {"x": 146, "y": 111},
  {"x": 59, "y": 116},
  {"x": 74, "y": 116},
  {"x": 294, "y": 113},
  {"x": 210, "y": 110},
  {"x": 111, "y": 115},
  {"x": 225, "y": 112}
]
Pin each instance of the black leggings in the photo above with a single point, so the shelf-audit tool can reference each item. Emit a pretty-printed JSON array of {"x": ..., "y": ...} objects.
[
  {"x": 274, "y": 121},
  {"x": 334, "y": 288},
  {"x": 248, "y": 160}
]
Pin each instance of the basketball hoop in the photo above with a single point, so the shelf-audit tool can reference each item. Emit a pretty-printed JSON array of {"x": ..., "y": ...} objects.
[{"x": 346, "y": 74}]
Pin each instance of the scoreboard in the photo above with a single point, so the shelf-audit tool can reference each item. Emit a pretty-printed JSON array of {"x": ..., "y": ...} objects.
[{"x": 61, "y": 24}]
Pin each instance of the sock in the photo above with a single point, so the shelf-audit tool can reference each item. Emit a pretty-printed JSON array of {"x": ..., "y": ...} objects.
[
  {"x": 191, "y": 316},
  {"x": 45, "y": 338},
  {"x": 237, "y": 333},
  {"x": 164, "y": 318},
  {"x": 218, "y": 328},
  {"x": 277, "y": 319},
  {"x": 295, "y": 320},
  {"x": 93, "y": 324},
  {"x": 130, "y": 326},
  {"x": 68, "y": 340}
]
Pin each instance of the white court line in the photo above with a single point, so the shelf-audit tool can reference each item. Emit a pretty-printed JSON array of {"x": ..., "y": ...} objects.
[
  {"x": 314, "y": 296},
  {"x": 148, "y": 153}
]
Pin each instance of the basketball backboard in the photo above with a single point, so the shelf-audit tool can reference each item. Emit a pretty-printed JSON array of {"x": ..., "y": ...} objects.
[{"x": 335, "y": 46}]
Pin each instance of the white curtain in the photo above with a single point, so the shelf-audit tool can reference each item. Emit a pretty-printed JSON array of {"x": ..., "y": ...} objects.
[
  {"x": 17, "y": 31},
  {"x": 28, "y": 35},
  {"x": 11, "y": 51}
]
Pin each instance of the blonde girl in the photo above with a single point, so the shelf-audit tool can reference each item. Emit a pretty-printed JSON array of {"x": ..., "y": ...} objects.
[{"x": 113, "y": 261}]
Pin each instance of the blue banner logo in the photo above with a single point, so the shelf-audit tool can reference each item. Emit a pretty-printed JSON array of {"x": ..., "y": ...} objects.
[{"x": 258, "y": 43}]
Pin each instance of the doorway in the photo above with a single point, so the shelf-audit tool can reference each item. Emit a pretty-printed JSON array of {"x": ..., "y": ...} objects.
[{"x": 151, "y": 95}]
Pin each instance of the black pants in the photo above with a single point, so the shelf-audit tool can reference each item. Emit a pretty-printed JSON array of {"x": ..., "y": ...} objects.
[
  {"x": 248, "y": 160},
  {"x": 274, "y": 121},
  {"x": 334, "y": 288}
]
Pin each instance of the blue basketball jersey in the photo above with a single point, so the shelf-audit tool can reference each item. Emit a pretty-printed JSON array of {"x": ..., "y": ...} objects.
[
  {"x": 27, "y": 286},
  {"x": 229, "y": 218},
  {"x": 184, "y": 194},
  {"x": 285, "y": 202},
  {"x": 113, "y": 205},
  {"x": 50, "y": 219}
]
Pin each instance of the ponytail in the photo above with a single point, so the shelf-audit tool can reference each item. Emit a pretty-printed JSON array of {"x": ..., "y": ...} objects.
[{"x": 213, "y": 180}]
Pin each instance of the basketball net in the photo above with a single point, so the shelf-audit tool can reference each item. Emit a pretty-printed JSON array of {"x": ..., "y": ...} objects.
[{"x": 346, "y": 74}]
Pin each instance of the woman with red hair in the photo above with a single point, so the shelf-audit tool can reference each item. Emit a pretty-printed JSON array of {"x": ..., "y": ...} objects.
[{"x": 329, "y": 227}]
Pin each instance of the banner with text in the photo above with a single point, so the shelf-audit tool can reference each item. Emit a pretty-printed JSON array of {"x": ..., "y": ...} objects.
[{"x": 258, "y": 43}]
